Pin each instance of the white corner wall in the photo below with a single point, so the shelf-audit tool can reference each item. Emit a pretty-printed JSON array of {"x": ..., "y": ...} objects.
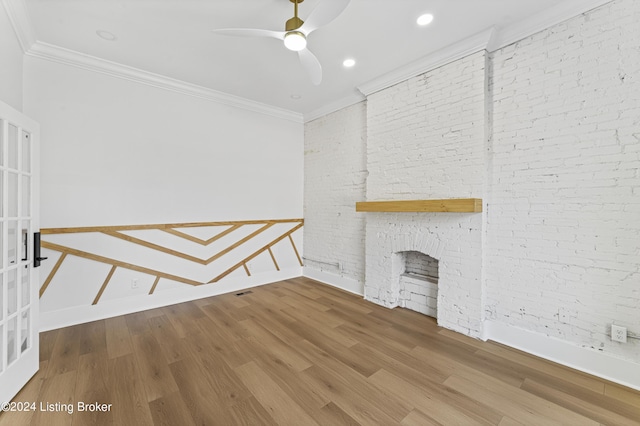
[
  {"x": 563, "y": 231},
  {"x": 116, "y": 152},
  {"x": 561, "y": 189},
  {"x": 335, "y": 179},
  {"x": 11, "y": 63}
]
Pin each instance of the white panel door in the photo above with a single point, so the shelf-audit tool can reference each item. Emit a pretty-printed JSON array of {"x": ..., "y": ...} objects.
[{"x": 19, "y": 167}]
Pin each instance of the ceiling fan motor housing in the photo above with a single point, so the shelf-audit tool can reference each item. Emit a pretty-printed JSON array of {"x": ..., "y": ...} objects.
[{"x": 293, "y": 24}]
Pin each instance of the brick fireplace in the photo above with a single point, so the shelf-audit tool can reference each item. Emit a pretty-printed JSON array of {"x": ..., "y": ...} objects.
[{"x": 453, "y": 239}]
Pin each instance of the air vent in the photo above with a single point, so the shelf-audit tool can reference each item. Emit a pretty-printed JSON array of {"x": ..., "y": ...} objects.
[{"x": 243, "y": 293}]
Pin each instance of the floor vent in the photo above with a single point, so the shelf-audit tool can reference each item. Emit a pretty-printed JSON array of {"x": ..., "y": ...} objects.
[{"x": 243, "y": 293}]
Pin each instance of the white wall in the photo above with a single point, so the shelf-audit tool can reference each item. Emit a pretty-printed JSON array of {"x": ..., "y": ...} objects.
[
  {"x": 425, "y": 136},
  {"x": 115, "y": 152},
  {"x": 426, "y": 140},
  {"x": 564, "y": 221},
  {"x": 560, "y": 178},
  {"x": 11, "y": 64},
  {"x": 335, "y": 179}
]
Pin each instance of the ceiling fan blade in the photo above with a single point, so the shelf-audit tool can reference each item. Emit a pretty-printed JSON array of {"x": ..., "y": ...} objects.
[
  {"x": 250, "y": 32},
  {"x": 325, "y": 12},
  {"x": 311, "y": 64}
]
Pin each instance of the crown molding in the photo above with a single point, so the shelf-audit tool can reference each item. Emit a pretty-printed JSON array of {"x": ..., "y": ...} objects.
[
  {"x": 551, "y": 16},
  {"x": 430, "y": 62},
  {"x": 334, "y": 106},
  {"x": 19, "y": 18},
  {"x": 79, "y": 60}
]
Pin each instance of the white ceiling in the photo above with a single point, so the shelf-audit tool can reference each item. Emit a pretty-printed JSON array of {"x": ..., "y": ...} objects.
[{"x": 173, "y": 38}]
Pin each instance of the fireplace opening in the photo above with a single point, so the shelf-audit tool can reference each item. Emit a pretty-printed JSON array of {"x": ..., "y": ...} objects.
[{"x": 419, "y": 283}]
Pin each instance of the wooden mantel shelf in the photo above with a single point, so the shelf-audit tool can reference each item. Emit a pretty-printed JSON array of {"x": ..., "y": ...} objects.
[{"x": 451, "y": 205}]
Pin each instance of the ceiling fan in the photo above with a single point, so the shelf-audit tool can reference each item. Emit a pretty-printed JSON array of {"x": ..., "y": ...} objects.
[{"x": 297, "y": 31}]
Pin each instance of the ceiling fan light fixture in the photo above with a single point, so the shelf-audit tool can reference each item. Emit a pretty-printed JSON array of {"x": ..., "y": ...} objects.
[{"x": 295, "y": 40}]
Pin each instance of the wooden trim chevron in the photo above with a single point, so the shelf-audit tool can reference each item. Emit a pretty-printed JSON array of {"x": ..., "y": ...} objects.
[
  {"x": 273, "y": 258},
  {"x": 118, "y": 232},
  {"x": 52, "y": 273},
  {"x": 200, "y": 241},
  {"x": 295, "y": 250},
  {"x": 104, "y": 285},
  {"x": 154, "y": 246},
  {"x": 113, "y": 262},
  {"x": 78, "y": 230},
  {"x": 155, "y": 284},
  {"x": 239, "y": 243},
  {"x": 256, "y": 253}
]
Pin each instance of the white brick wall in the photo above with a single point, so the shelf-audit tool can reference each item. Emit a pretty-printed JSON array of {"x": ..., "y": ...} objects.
[
  {"x": 419, "y": 295},
  {"x": 558, "y": 246},
  {"x": 563, "y": 231},
  {"x": 420, "y": 264},
  {"x": 425, "y": 139},
  {"x": 424, "y": 135},
  {"x": 335, "y": 174},
  {"x": 452, "y": 238}
]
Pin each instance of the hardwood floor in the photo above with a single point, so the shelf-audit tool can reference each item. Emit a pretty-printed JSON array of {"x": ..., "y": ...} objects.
[{"x": 299, "y": 352}]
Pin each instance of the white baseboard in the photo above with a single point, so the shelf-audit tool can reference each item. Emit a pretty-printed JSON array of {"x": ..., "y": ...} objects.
[
  {"x": 348, "y": 284},
  {"x": 617, "y": 370},
  {"x": 111, "y": 308}
]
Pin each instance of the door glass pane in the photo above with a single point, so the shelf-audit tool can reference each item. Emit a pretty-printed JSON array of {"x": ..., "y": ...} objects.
[
  {"x": 12, "y": 339},
  {"x": 26, "y": 152},
  {"x": 1, "y": 345},
  {"x": 13, "y": 195},
  {"x": 12, "y": 292},
  {"x": 26, "y": 200},
  {"x": 26, "y": 286},
  {"x": 12, "y": 242},
  {"x": 13, "y": 147},
  {"x": 25, "y": 329},
  {"x": 1, "y": 149},
  {"x": 24, "y": 241},
  {"x": 1, "y": 194}
]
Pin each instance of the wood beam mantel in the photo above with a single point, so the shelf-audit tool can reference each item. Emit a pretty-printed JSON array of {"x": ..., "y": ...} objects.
[{"x": 450, "y": 205}]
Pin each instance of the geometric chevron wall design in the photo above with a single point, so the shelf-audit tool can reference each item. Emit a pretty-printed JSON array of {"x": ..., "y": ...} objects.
[{"x": 230, "y": 237}]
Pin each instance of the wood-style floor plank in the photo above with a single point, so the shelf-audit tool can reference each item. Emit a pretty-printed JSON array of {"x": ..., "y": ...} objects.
[
  {"x": 154, "y": 371},
  {"x": 298, "y": 352},
  {"x": 118, "y": 337},
  {"x": 171, "y": 410},
  {"x": 275, "y": 401},
  {"x": 127, "y": 392}
]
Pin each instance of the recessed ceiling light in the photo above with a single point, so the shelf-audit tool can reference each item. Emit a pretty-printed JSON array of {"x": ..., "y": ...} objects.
[
  {"x": 296, "y": 97},
  {"x": 106, "y": 35},
  {"x": 425, "y": 19},
  {"x": 348, "y": 63}
]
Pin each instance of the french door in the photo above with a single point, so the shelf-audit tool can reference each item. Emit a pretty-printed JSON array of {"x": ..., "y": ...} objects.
[{"x": 19, "y": 198}]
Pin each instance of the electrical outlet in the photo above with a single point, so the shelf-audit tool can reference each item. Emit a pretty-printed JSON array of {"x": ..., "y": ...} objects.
[
  {"x": 134, "y": 284},
  {"x": 618, "y": 333}
]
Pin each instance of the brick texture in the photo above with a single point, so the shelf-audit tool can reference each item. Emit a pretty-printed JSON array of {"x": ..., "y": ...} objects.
[
  {"x": 563, "y": 229},
  {"x": 335, "y": 175},
  {"x": 547, "y": 132}
]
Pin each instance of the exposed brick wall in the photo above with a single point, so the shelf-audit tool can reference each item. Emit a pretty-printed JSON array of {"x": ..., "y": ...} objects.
[
  {"x": 563, "y": 229},
  {"x": 552, "y": 145},
  {"x": 425, "y": 139},
  {"x": 335, "y": 175},
  {"x": 424, "y": 135},
  {"x": 420, "y": 264}
]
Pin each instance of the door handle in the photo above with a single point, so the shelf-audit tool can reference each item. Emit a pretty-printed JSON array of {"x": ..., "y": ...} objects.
[{"x": 36, "y": 250}]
